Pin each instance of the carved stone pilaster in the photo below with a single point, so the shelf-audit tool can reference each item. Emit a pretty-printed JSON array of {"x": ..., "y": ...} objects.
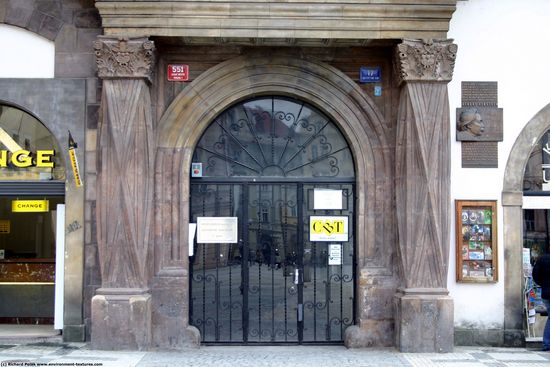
[
  {"x": 425, "y": 60},
  {"x": 423, "y": 195},
  {"x": 124, "y": 57},
  {"x": 423, "y": 180},
  {"x": 124, "y": 195}
]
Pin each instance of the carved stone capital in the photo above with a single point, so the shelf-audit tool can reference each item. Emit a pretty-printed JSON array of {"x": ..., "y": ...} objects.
[
  {"x": 124, "y": 57},
  {"x": 425, "y": 60}
]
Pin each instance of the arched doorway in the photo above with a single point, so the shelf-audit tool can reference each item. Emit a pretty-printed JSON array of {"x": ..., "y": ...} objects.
[
  {"x": 512, "y": 202},
  {"x": 277, "y": 174},
  {"x": 360, "y": 123}
]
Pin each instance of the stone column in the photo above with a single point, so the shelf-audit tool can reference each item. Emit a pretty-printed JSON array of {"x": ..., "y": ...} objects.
[
  {"x": 423, "y": 308},
  {"x": 121, "y": 308}
]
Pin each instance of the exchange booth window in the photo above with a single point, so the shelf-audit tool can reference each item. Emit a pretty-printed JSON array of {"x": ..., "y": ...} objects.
[
  {"x": 32, "y": 184},
  {"x": 27, "y": 239}
]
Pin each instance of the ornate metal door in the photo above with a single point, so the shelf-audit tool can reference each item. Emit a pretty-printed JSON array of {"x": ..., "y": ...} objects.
[{"x": 264, "y": 161}]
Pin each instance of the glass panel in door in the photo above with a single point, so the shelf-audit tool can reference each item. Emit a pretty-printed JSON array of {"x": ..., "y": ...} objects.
[
  {"x": 328, "y": 287},
  {"x": 216, "y": 274},
  {"x": 273, "y": 254}
]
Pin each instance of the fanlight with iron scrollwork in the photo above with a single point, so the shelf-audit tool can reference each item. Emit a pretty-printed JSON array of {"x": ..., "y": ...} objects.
[{"x": 273, "y": 137}]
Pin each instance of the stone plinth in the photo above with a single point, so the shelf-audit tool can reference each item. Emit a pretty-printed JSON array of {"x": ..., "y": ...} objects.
[
  {"x": 170, "y": 310},
  {"x": 424, "y": 321},
  {"x": 121, "y": 319}
]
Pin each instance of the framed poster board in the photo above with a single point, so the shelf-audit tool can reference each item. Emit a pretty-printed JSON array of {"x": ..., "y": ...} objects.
[{"x": 476, "y": 241}]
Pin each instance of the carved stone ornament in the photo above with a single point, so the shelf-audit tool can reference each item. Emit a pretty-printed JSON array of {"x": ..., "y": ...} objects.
[
  {"x": 426, "y": 60},
  {"x": 124, "y": 57}
]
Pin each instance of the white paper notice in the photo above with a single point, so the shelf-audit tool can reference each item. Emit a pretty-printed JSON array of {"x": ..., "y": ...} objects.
[
  {"x": 335, "y": 254},
  {"x": 192, "y": 230},
  {"x": 327, "y": 199},
  {"x": 217, "y": 230}
]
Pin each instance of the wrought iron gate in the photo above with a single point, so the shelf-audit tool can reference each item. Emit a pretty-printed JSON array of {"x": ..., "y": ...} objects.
[
  {"x": 263, "y": 160},
  {"x": 274, "y": 285}
]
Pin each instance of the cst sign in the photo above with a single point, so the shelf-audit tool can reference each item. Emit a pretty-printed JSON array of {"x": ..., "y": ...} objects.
[{"x": 328, "y": 228}]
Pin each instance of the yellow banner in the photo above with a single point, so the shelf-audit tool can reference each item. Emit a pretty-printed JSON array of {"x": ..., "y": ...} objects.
[
  {"x": 27, "y": 206},
  {"x": 74, "y": 165}
]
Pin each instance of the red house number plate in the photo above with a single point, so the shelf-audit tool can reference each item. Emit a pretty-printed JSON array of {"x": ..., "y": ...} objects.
[{"x": 178, "y": 72}]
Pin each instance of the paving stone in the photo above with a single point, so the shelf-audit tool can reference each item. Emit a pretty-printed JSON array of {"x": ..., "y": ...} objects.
[{"x": 268, "y": 356}]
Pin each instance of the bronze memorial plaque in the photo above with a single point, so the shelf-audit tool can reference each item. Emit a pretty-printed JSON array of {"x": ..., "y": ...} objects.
[
  {"x": 481, "y": 154},
  {"x": 479, "y": 124}
]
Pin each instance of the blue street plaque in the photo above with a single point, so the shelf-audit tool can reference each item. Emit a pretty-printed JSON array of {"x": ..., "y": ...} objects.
[{"x": 370, "y": 74}]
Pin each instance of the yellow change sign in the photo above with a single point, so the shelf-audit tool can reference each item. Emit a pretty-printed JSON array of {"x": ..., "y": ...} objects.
[
  {"x": 27, "y": 206},
  {"x": 23, "y": 158},
  {"x": 325, "y": 228}
]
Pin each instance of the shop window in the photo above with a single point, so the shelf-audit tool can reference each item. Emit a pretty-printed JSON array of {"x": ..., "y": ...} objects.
[
  {"x": 536, "y": 236},
  {"x": 28, "y": 151},
  {"x": 29, "y": 156},
  {"x": 27, "y": 243},
  {"x": 528, "y": 220}
]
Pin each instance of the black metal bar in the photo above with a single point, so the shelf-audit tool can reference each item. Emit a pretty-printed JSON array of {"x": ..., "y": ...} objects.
[
  {"x": 314, "y": 248},
  {"x": 272, "y": 130},
  {"x": 300, "y": 258},
  {"x": 258, "y": 243},
  {"x": 272, "y": 264},
  {"x": 354, "y": 249},
  {"x": 327, "y": 300},
  {"x": 229, "y": 265},
  {"x": 245, "y": 260},
  {"x": 284, "y": 229},
  {"x": 217, "y": 285},
  {"x": 275, "y": 180}
]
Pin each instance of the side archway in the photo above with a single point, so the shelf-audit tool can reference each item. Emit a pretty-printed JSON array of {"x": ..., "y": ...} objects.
[
  {"x": 512, "y": 195},
  {"x": 244, "y": 77}
]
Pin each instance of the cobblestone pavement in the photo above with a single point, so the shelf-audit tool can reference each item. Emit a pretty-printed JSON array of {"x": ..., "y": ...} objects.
[{"x": 80, "y": 354}]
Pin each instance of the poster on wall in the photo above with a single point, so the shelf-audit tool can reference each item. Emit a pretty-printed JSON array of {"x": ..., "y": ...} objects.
[
  {"x": 328, "y": 228},
  {"x": 217, "y": 229}
]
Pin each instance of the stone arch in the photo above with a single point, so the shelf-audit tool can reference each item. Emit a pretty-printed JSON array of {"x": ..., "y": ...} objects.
[
  {"x": 48, "y": 21},
  {"x": 512, "y": 194},
  {"x": 309, "y": 80}
]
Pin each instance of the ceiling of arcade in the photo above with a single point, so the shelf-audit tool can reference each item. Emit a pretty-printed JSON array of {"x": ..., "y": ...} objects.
[{"x": 289, "y": 22}]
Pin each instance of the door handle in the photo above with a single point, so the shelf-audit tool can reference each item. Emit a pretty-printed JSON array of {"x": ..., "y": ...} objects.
[{"x": 296, "y": 276}]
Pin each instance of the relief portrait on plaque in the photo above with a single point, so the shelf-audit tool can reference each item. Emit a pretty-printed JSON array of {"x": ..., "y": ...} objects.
[
  {"x": 470, "y": 122},
  {"x": 479, "y": 123}
]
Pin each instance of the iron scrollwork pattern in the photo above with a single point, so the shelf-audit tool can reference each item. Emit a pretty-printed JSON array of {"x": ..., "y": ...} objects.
[{"x": 274, "y": 137}]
